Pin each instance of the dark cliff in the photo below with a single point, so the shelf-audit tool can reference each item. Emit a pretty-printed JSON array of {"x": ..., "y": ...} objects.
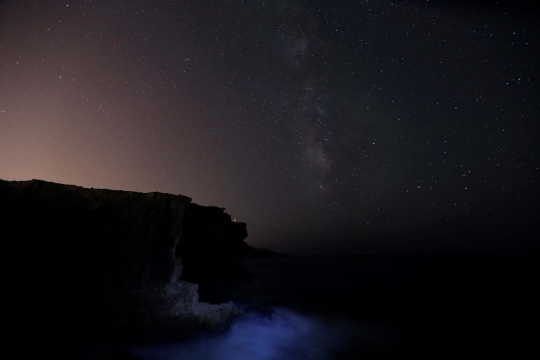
[
  {"x": 210, "y": 240},
  {"x": 119, "y": 240},
  {"x": 103, "y": 259}
]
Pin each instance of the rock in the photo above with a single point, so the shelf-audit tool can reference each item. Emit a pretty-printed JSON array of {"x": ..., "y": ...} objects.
[
  {"x": 211, "y": 246},
  {"x": 182, "y": 300},
  {"x": 83, "y": 263},
  {"x": 215, "y": 316},
  {"x": 116, "y": 241}
]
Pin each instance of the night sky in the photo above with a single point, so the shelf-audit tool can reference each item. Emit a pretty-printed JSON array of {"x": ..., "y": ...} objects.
[{"x": 326, "y": 126}]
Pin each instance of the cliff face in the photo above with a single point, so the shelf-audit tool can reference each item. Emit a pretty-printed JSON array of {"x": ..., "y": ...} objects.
[
  {"x": 211, "y": 245},
  {"x": 123, "y": 241},
  {"x": 97, "y": 257}
]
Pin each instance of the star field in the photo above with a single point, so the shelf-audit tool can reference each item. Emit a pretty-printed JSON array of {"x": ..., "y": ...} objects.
[{"x": 350, "y": 126}]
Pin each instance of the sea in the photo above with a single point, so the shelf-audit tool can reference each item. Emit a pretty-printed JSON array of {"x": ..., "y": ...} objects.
[{"x": 375, "y": 307}]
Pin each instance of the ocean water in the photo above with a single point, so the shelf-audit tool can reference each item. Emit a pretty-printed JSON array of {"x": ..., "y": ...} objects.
[{"x": 375, "y": 307}]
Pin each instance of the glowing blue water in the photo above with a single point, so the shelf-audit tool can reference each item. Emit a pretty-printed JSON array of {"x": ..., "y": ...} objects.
[{"x": 290, "y": 335}]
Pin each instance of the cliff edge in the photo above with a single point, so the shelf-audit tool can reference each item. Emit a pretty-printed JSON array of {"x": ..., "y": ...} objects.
[{"x": 95, "y": 262}]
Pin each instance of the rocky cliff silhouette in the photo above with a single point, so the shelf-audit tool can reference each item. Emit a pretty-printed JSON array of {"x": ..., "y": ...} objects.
[
  {"x": 104, "y": 263},
  {"x": 211, "y": 240}
]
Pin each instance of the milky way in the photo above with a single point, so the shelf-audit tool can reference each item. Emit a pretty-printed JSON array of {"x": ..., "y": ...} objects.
[{"x": 327, "y": 126}]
